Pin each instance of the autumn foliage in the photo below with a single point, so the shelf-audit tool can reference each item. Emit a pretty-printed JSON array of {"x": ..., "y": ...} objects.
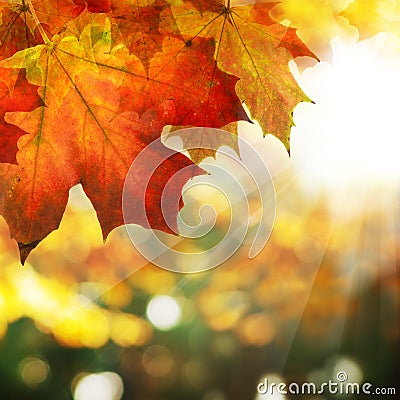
[{"x": 86, "y": 85}]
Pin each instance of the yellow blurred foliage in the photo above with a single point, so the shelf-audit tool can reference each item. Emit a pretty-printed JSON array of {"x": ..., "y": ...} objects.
[
  {"x": 58, "y": 307},
  {"x": 373, "y": 16},
  {"x": 317, "y": 21}
]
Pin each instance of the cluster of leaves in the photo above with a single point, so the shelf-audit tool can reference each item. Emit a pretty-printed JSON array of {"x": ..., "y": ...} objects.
[{"x": 86, "y": 85}]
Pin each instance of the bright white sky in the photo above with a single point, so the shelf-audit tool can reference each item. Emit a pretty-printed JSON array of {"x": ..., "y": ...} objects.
[
  {"x": 349, "y": 141},
  {"x": 352, "y": 134}
]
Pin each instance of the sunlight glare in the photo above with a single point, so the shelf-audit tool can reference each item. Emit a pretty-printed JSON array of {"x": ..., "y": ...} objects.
[{"x": 351, "y": 136}]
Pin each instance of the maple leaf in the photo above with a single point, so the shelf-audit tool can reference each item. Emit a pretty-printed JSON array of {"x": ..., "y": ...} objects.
[
  {"x": 87, "y": 141},
  {"x": 24, "y": 97},
  {"x": 92, "y": 136},
  {"x": 251, "y": 46}
]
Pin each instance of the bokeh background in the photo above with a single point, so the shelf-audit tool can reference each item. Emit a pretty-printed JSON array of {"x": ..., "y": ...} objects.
[{"x": 86, "y": 320}]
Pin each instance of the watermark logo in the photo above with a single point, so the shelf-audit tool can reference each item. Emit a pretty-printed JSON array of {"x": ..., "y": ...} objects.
[
  {"x": 339, "y": 387},
  {"x": 342, "y": 376},
  {"x": 244, "y": 182}
]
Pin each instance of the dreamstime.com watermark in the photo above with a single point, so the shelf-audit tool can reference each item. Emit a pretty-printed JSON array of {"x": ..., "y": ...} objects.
[{"x": 341, "y": 387}]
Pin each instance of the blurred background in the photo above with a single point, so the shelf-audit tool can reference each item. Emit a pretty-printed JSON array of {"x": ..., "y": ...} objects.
[
  {"x": 88, "y": 320},
  {"x": 85, "y": 320}
]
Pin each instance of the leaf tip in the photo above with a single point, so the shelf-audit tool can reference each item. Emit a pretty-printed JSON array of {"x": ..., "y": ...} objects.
[{"x": 25, "y": 249}]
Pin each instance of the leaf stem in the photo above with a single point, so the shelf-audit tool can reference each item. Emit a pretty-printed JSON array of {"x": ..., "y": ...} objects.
[{"x": 43, "y": 34}]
